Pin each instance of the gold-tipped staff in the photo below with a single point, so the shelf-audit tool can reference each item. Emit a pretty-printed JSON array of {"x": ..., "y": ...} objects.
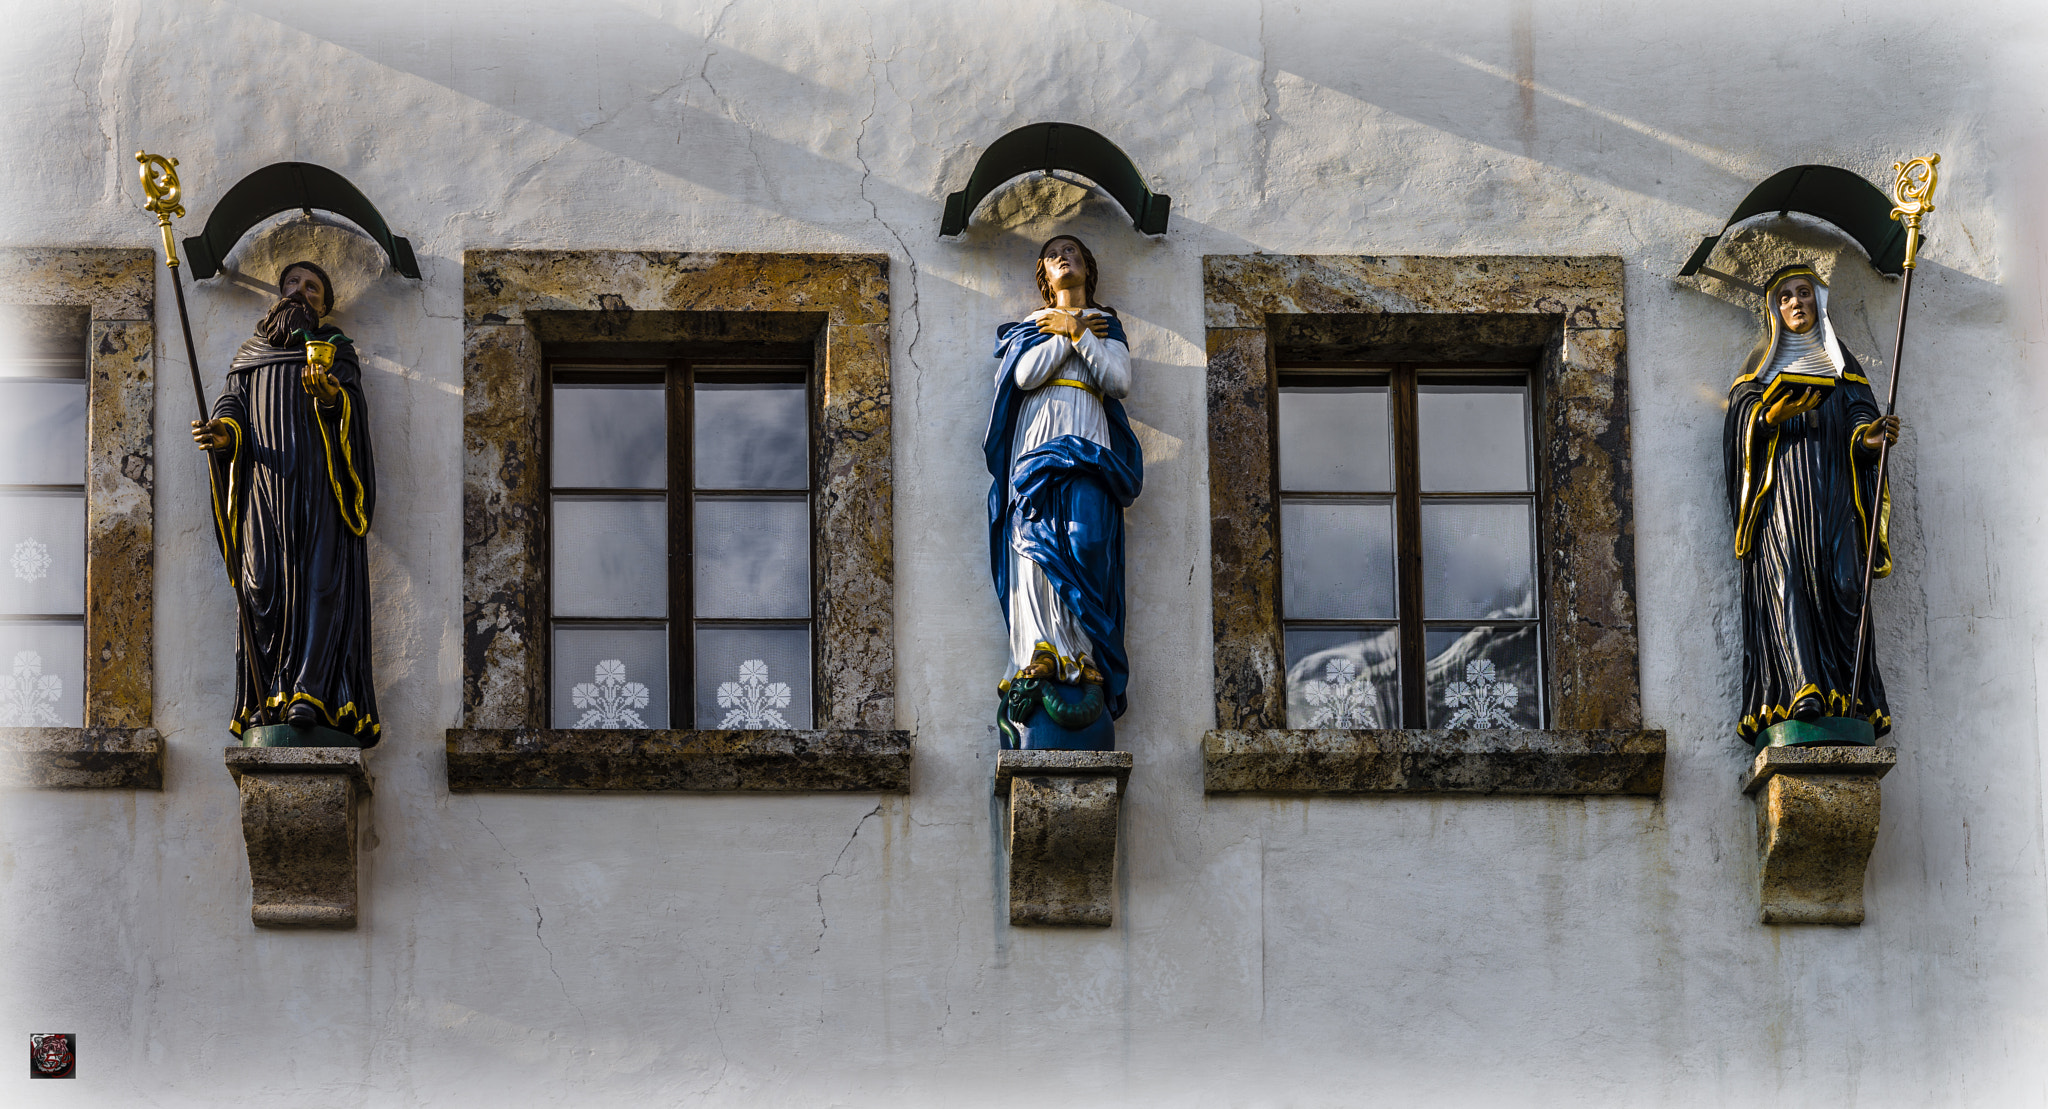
[
  {"x": 1913, "y": 197},
  {"x": 160, "y": 185}
]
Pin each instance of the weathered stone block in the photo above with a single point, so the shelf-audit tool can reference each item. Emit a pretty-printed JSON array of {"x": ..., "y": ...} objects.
[
  {"x": 299, "y": 823},
  {"x": 82, "y": 758},
  {"x": 696, "y": 761},
  {"x": 1064, "y": 807},
  {"x": 1329, "y": 761},
  {"x": 1816, "y": 821}
]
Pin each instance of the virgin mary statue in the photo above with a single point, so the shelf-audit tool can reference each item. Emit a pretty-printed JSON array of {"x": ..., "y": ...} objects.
[
  {"x": 1801, "y": 459},
  {"x": 1065, "y": 465}
]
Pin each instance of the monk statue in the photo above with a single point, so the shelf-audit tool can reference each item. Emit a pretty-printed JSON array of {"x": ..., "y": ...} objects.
[
  {"x": 1064, "y": 465},
  {"x": 1801, "y": 445},
  {"x": 294, "y": 489}
]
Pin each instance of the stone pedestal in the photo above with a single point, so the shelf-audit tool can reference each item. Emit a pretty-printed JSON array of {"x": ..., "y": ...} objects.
[
  {"x": 1816, "y": 820},
  {"x": 1063, "y": 817},
  {"x": 299, "y": 822}
]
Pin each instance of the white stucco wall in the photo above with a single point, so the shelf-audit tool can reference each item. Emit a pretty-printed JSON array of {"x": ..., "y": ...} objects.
[{"x": 853, "y": 950}]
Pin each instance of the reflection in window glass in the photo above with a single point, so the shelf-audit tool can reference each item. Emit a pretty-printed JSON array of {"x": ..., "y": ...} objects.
[
  {"x": 1343, "y": 677},
  {"x": 1478, "y": 560},
  {"x": 1450, "y": 500},
  {"x": 1483, "y": 677},
  {"x": 1337, "y": 560}
]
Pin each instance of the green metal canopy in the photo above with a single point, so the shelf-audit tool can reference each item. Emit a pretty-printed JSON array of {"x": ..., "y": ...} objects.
[
  {"x": 280, "y": 188},
  {"x": 1050, "y": 146},
  {"x": 1855, "y": 206}
]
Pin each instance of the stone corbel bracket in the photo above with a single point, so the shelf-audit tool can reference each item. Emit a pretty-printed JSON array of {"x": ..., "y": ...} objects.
[
  {"x": 299, "y": 821},
  {"x": 1064, "y": 807},
  {"x": 1816, "y": 821}
]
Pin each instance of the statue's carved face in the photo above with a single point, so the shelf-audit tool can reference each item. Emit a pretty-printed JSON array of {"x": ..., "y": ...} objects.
[
  {"x": 305, "y": 286},
  {"x": 1063, "y": 264},
  {"x": 1796, "y": 304}
]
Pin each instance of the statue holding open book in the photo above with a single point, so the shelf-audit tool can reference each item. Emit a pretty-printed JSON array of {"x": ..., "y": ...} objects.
[{"x": 1801, "y": 444}]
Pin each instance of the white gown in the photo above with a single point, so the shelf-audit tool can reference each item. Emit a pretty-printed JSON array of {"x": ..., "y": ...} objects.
[{"x": 1048, "y": 412}]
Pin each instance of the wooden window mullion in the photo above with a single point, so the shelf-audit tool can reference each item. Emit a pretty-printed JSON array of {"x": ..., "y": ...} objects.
[
  {"x": 1408, "y": 547},
  {"x": 682, "y": 671}
]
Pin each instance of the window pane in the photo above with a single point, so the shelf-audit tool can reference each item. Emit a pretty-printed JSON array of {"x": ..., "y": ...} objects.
[
  {"x": 1478, "y": 560},
  {"x": 611, "y": 556},
  {"x": 1343, "y": 677},
  {"x": 42, "y": 674},
  {"x": 1474, "y": 438},
  {"x": 753, "y": 677},
  {"x": 42, "y": 432},
  {"x": 1483, "y": 677},
  {"x": 610, "y": 677},
  {"x": 610, "y": 436},
  {"x": 751, "y": 437},
  {"x": 753, "y": 559},
  {"x": 42, "y": 537},
  {"x": 1335, "y": 439},
  {"x": 1337, "y": 561}
]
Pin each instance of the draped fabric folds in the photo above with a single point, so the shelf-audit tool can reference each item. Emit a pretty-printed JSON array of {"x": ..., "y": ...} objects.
[
  {"x": 1067, "y": 512},
  {"x": 293, "y": 497},
  {"x": 1801, "y": 494}
]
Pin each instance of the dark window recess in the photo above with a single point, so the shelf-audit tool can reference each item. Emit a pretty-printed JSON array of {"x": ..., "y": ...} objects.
[
  {"x": 1408, "y": 592},
  {"x": 43, "y": 363},
  {"x": 680, "y": 572}
]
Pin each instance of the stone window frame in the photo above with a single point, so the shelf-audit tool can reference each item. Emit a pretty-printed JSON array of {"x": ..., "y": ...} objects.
[
  {"x": 519, "y": 305},
  {"x": 1564, "y": 316},
  {"x": 118, "y": 747}
]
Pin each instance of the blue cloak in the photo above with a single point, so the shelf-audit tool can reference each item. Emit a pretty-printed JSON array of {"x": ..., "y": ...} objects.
[{"x": 1068, "y": 516}]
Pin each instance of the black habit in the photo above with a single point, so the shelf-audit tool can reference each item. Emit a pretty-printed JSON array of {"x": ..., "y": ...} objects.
[
  {"x": 292, "y": 498},
  {"x": 1801, "y": 494}
]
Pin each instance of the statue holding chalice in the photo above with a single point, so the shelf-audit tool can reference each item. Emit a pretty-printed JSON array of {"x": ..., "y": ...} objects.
[{"x": 294, "y": 490}]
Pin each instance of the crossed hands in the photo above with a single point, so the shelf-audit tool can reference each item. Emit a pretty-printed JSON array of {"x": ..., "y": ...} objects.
[{"x": 1059, "y": 322}]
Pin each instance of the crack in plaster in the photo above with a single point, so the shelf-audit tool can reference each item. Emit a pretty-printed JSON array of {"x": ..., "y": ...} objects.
[
  {"x": 818, "y": 889},
  {"x": 726, "y": 106},
  {"x": 866, "y": 172},
  {"x": 1265, "y": 125},
  {"x": 538, "y": 920}
]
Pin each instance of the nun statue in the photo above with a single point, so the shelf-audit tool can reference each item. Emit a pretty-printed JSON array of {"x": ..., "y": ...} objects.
[
  {"x": 1801, "y": 445},
  {"x": 1064, "y": 465}
]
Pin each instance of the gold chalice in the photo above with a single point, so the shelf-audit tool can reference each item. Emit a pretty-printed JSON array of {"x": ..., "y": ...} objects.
[{"x": 320, "y": 354}]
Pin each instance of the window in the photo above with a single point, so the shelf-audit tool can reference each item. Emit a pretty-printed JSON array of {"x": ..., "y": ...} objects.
[
  {"x": 678, "y": 534},
  {"x": 77, "y": 518},
  {"x": 42, "y": 520},
  {"x": 1407, "y": 537},
  {"x": 1419, "y": 501},
  {"x": 681, "y": 563}
]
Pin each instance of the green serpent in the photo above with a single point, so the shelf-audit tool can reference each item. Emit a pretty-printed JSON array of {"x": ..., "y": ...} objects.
[{"x": 1027, "y": 695}]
